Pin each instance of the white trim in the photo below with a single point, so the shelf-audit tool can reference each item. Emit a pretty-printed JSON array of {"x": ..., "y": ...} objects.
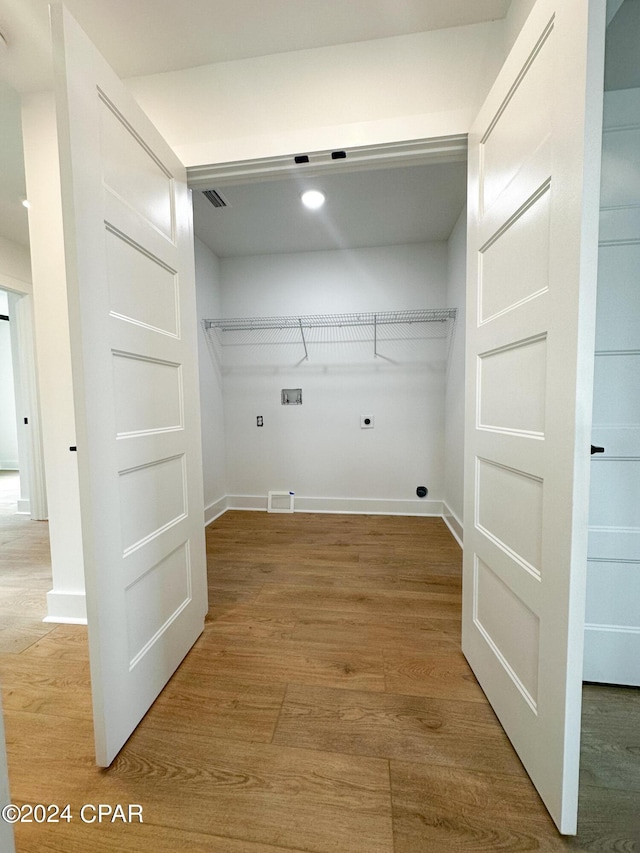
[
  {"x": 456, "y": 528},
  {"x": 439, "y": 149},
  {"x": 215, "y": 510},
  {"x": 255, "y": 503},
  {"x": 347, "y": 506},
  {"x": 290, "y": 499},
  {"x": 14, "y": 284},
  {"x": 22, "y": 307},
  {"x": 67, "y": 608},
  {"x": 611, "y": 654},
  {"x": 615, "y": 629}
]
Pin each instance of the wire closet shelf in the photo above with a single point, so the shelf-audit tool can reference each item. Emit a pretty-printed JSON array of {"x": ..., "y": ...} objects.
[{"x": 305, "y": 323}]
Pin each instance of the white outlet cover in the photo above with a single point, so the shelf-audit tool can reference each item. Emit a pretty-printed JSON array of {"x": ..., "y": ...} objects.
[{"x": 367, "y": 421}]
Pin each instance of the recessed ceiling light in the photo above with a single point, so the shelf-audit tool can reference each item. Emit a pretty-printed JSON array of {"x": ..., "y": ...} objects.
[
  {"x": 313, "y": 199},
  {"x": 26, "y": 203}
]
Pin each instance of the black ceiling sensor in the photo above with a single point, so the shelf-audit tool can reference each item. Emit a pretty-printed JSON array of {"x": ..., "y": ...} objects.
[
  {"x": 301, "y": 158},
  {"x": 338, "y": 155}
]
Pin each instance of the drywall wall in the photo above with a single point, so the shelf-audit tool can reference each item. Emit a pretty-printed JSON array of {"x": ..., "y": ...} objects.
[
  {"x": 15, "y": 266},
  {"x": 15, "y": 278},
  {"x": 66, "y": 601},
  {"x": 405, "y": 87},
  {"x": 621, "y": 68},
  {"x": 454, "y": 403},
  {"x": 208, "y": 301},
  {"x": 318, "y": 449},
  {"x": 8, "y": 431}
]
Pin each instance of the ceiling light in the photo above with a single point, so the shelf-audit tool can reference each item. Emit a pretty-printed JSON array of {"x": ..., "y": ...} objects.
[
  {"x": 313, "y": 199},
  {"x": 26, "y": 203}
]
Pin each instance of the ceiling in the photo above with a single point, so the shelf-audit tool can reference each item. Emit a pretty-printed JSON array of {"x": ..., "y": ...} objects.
[
  {"x": 140, "y": 37},
  {"x": 390, "y": 206},
  {"x": 13, "y": 216}
]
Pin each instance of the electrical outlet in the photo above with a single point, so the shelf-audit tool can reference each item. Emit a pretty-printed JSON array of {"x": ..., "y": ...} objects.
[
  {"x": 259, "y": 421},
  {"x": 367, "y": 421}
]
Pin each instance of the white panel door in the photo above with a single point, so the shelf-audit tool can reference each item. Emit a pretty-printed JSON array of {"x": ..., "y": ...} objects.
[
  {"x": 532, "y": 250},
  {"x": 612, "y": 619},
  {"x": 129, "y": 257}
]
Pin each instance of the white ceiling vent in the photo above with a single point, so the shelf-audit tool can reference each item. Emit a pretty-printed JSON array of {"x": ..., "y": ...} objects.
[{"x": 215, "y": 198}]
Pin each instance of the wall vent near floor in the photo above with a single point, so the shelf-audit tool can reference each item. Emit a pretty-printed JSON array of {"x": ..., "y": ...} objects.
[
  {"x": 280, "y": 502},
  {"x": 215, "y": 198}
]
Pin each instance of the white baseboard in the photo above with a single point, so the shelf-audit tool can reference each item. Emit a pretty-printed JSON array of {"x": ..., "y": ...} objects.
[
  {"x": 611, "y": 654},
  {"x": 347, "y": 506},
  {"x": 215, "y": 510},
  {"x": 250, "y": 502},
  {"x": 453, "y": 523},
  {"x": 67, "y": 608}
]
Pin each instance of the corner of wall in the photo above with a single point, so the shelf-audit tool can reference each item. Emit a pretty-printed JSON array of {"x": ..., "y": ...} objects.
[
  {"x": 15, "y": 266},
  {"x": 208, "y": 299},
  {"x": 455, "y": 391},
  {"x": 66, "y": 608},
  {"x": 215, "y": 509}
]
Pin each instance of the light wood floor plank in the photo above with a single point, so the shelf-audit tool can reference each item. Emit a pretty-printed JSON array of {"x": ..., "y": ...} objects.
[
  {"x": 219, "y": 707},
  {"x": 272, "y": 660},
  {"x": 32, "y": 684},
  {"x": 440, "y": 809},
  {"x": 433, "y": 731},
  {"x": 331, "y": 654},
  {"x": 434, "y": 605},
  {"x": 80, "y": 838},
  {"x": 441, "y": 672},
  {"x": 361, "y": 630}
]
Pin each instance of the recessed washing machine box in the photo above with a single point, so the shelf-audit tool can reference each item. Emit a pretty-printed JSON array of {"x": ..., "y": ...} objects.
[{"x": 291, "y": 397}]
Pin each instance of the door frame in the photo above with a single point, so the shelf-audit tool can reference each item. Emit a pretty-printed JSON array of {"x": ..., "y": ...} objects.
[
  {"x": 440, "y": 149},
  {"x": 415, "y": 152},
  {"x": 26, "y": 390},
  {"x": 407, "y": 153}
]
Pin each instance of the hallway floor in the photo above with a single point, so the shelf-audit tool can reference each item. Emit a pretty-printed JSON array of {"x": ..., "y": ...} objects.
[{"x": 326, "y": 707}]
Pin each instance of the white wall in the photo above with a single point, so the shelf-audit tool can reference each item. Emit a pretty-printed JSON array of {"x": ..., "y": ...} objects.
[
  {"x": 208, "y": 299},
  {"x": 15, "y": 277},
  {"x": 621, "y": 69},
  {"x": 318, "y": 450},
  {"x": 454, "y": 405},
  {"x": 406, "y": 87},
  {"x": 15, "y": 266},
  {"x": 66, "y": 602},
  {"x": 8, "y": 432},
  {"x": 613, "y": 571}
]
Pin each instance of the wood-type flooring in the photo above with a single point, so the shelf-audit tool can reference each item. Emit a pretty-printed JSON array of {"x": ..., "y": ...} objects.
[{"x": 326, "y": 707}]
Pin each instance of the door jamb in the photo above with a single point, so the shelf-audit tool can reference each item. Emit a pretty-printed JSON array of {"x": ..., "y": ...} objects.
[{"x": 439, "y": 149}]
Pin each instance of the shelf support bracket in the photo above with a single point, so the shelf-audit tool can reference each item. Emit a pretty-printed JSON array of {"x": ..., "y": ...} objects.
[{"x": 304, "y": 343}]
